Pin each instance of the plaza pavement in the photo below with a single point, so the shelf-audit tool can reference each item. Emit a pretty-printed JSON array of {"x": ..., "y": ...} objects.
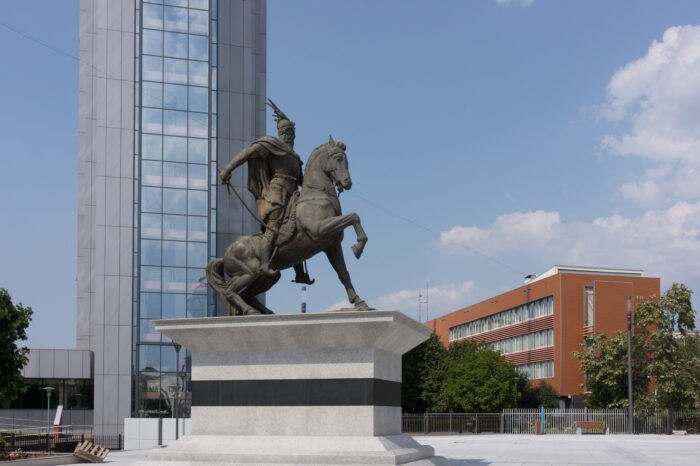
[{"x": 486, "y": 449}]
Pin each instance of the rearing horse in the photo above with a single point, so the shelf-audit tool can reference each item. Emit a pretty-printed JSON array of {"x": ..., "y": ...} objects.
[{"x": 318, "y": 226}]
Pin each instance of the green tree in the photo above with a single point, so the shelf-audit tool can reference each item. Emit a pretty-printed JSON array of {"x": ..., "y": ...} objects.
[
  {"x": 660, "y": 355},
  {"x": 476, "y": 379},
  {"x": 421, "y": 375},
  {"x": 14, "y": 320},
  {"x": 533, "y": 395}
]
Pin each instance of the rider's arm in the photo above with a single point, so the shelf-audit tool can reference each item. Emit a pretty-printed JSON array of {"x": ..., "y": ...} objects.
[{"x": 240, "y": 158}]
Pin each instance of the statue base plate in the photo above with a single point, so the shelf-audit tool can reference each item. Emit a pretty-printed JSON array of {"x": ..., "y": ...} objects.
[{"x": 268, "y": 450}]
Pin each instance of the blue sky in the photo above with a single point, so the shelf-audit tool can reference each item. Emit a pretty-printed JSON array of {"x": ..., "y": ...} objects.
[{"x": 493, "y": 139}]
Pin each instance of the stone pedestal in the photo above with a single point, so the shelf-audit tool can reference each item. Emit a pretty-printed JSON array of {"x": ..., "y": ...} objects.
[{"x": 297, "y": 389}]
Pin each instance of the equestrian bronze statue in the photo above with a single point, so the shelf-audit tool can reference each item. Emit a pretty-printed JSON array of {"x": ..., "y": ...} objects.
[{"x": 295, "y": 225}]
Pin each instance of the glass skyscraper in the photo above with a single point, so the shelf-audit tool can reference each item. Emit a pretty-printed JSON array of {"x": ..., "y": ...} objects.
[{"x": 169, "y": 90}]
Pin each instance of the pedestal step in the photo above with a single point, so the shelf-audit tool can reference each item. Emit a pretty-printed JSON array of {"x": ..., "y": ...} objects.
[{"x": 272, "y": 450}]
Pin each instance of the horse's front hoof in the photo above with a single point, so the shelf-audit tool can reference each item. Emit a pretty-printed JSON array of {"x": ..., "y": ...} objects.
[
  {"x": 361, "y": 305},
  {"x": 357, "y": 250}
]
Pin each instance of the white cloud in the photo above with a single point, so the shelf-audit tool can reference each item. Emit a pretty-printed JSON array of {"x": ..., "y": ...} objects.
[
  {"x": 658, "y": 96},
  {"x": 521, "y": 2},
  {"x": 442, "y": 298},
  {"x": 664, "y": 242}
]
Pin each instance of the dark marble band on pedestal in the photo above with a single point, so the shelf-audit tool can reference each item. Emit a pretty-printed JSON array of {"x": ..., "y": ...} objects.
[{"x": 296, "y": 392}]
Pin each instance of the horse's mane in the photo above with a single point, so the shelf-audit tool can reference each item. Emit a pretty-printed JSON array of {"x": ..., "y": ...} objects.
[{"x": 323, "y": 149}]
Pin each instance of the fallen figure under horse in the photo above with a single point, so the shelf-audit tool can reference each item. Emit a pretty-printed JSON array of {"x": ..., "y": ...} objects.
[{"x": 314, "y": 223}]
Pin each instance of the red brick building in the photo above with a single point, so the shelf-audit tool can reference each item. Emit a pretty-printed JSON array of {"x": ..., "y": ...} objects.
[{"x": 537, "y": 325}]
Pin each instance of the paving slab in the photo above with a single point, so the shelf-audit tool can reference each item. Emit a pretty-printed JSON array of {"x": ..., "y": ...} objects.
[{"x": 507, "y": 450}]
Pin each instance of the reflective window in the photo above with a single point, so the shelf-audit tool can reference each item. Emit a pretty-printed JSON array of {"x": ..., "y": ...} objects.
[
  {"x": 197, "y": 228},
  {"x": 197, "y": 152},
  {"x": 174, "y": 306},
  {"x": 148, "y": 331},
  {"x": 199, "y": 22},
  {"x": 197, "y": 176},
  {"x": 201, "y": 4},
  {"x": 176, "y": 2},
  {"x": 152, "y": 94},
  {"x": 151, "y": 199},
  {"x": 198, "y": 125},
  {"x": 152, "y": 120},
  {"x": 199, "y": 99},
  {"x": 199, "y": 74},
  {"x": 174, "y": 280},
  {"x": 175, "y": 175},
  {"x": 152, "y": 16},
  {"x": 175, "y": 97},
  {"x": 150, "y": 278},
  {"x": 152, "y": 68},
  {"x": 151, "y": 174},
  {"x": 176, "y": 19},
  {"x": 196, "y": 254},
  {"x": 152, "y": 42},
  {"x": 174, "y": 253},
  {"x": 150, "y": 305},
  {"x": 167, "y": 359},
  {"x": 150, "y": 226},
  {"x": 197, "y": 305},
  {"x": 150, "y": 252},
  {"x": 174, "y": 123},
  {"x": 197, "y": 202},
  {"x": 175, "y": 45},
  {"x": 174, "y": 227},
  {"x": 199, "y": 48},
  {"x": 174, "y": 201},
  {"x": 149, "y": 358},
  {"x": 175, "y": 70},
  {"x": 151, "y": 146},
  {"x": 196, "y": 281},
  {"x": 175, "y": 149}
]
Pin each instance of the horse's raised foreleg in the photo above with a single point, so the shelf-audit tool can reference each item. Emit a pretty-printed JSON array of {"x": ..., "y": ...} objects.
[
  {"x": 333, "y": 225},
  {"x": 335, "y": 257}
]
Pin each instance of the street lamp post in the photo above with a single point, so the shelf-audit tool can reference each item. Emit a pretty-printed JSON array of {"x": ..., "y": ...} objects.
[
  {"x": 630, "y": 409},
  {"x": 177, "y": 390},
  {"x": 48, "y": 416}
]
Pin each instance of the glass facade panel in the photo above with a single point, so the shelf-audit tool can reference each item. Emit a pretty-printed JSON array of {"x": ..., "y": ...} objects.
[
  {"x": 175, "y": 19},
  {"x": 175, "y": 227},
  {"x": 175, "y": 97},
  {"x": 197, "y": 151},
  {"x": 174, "y": 306},
  {"x": 175, "y": 71},
  {"x": 174, "y": 175},
  {"x": 152, "y": 146},
  {"x": 175, "y": 201},
  {"x": 174, "y": 149},
  {"x": 174, "y": 253},
  {"x": 175, "y": 45},
  {"x": 173, "y": 214}
]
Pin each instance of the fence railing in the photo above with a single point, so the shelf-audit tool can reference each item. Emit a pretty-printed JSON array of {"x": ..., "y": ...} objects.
[
  {"x": 60, "y": 443},
  {"x": 556, "y": 421}
]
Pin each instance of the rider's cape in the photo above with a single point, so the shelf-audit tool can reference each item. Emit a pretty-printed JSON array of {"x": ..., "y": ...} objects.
[{"x": 259, "y": 173}]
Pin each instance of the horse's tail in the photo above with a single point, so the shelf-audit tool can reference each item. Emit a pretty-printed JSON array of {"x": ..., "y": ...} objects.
[{"x": 215, "y": 276}]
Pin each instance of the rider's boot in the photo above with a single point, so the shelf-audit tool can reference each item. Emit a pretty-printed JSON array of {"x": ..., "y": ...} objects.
[{"x": 302, "y": 276}]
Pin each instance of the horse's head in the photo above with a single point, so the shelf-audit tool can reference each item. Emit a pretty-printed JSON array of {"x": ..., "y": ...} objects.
[{"x": 334, "y": 163}]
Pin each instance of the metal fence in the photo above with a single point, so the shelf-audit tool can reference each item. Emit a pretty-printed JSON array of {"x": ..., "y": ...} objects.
[
  {"x": 556, "y": 421},
  {"x": 61, "y": 443}
]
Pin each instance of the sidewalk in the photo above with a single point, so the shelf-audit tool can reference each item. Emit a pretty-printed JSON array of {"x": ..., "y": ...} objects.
[{"x": 508, "y": 450}]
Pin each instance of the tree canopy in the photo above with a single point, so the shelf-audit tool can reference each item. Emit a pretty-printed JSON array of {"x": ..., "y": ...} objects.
[
  {"x": 466, "y": 377},
  {"x": 14, "y": 320},
  {"x": 665, "y": 358}
]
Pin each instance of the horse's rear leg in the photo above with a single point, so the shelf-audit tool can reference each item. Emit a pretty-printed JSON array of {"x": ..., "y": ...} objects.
[
  {"x": 337, "y": 260},
  {"x": 260, "y": 285}
]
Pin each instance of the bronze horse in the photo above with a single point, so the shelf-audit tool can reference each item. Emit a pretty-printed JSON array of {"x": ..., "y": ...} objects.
[{"x": 319, "y": 225}]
